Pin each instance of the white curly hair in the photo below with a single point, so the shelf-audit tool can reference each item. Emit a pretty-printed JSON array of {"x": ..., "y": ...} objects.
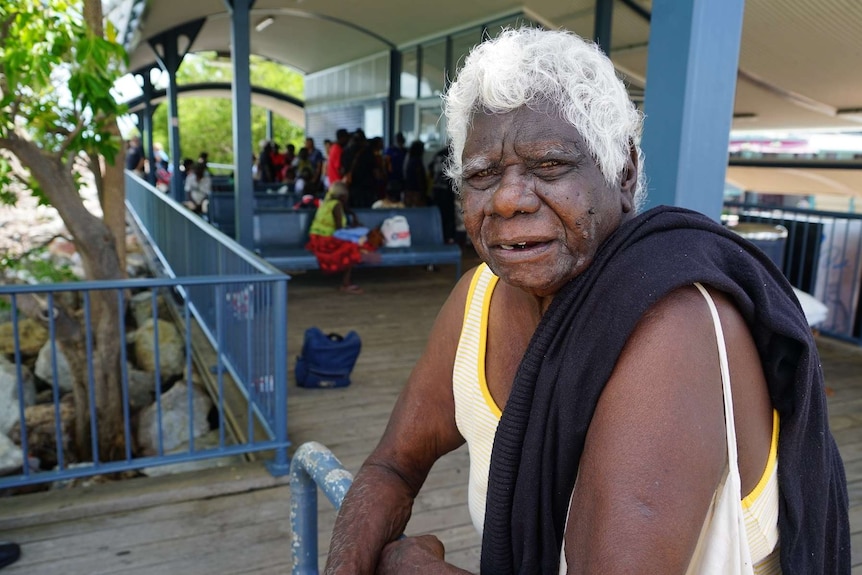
[{"x": 532, "y": 67}]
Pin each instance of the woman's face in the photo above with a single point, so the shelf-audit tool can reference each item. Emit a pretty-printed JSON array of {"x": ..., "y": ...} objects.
[{"x": 536, "y": 205}]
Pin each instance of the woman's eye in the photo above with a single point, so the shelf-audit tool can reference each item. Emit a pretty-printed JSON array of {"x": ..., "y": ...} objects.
[
  {"x": 549, "y": 163},
  {"x": 484, "y": 173}
]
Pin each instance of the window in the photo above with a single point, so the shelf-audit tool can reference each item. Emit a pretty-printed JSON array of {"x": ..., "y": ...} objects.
[
  {"x": 409, "y": 73},
  {"x": 433, "y": 69}
]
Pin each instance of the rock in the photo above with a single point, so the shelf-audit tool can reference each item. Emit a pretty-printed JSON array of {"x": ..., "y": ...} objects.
[
  {"x": 41, "y": 432},
  {"x": 171, "y": 349},
  {"x": 136, "y": 265},
  {"x": 11, "y": 456},
  {"x": 208, "y": 441},
  {"x": 175, "y": 419},
  {"x": 133, "y": 246},
  {"x": 142, "y": 307},
  {"x": 32, "y": 336},
  {"x": 142, "y": 388},
  {"x": 45, "y": 372},
  {"x": 9, "y": 411}
]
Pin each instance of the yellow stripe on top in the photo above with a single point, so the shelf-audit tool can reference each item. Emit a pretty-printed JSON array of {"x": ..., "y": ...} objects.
[
  {"x": 476, "y": 413},
  {"x": 760, "y": 511},
  {"x": 771, "y": 465}
]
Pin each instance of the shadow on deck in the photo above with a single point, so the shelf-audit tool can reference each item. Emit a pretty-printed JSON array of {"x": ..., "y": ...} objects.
[{"x": 234, "y": 520}]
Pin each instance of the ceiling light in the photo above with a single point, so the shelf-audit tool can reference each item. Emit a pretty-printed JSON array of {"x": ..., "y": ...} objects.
[{"x": 264, "y": 24}]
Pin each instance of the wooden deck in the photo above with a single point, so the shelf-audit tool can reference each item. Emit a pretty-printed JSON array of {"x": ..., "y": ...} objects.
[{"x": 234, "y": 520}]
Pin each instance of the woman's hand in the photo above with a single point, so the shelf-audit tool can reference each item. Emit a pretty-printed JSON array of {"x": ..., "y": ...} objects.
[{"x": 422, "y": 554}]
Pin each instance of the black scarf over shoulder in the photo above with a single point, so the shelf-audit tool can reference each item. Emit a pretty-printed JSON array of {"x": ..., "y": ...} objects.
[{"x": 541, "y": 434}]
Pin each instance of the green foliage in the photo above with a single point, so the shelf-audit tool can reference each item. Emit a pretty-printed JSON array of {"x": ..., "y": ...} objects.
[
  {"x": 56, "y": 78},
  {"x": 206, "y": 124}
]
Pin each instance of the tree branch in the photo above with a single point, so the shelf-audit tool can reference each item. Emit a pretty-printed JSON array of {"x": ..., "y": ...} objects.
[
  {"x": 4, "y": 27},
  {"x": 79, "y": 127},
  {"x": 41, "y": 246}
]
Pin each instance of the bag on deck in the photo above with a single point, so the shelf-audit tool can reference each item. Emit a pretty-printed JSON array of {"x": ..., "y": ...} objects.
[
  {"x": 396, "y": 232},
  {"x": 327, "y": 359}
]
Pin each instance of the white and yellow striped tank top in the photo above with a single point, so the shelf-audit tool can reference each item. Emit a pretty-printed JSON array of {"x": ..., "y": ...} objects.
[{"x": 477, "y": 416}]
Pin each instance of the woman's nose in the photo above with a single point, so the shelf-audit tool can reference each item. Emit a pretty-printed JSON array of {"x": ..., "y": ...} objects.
[{"x": 513, "y": 195}]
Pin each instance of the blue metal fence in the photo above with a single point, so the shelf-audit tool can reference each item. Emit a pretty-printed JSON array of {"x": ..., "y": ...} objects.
[
  {"x": 234, "y": 301},
  {"x": 822, "y": 255},
  {"x": 186, "y": 245},
  {"x": 249, "y": 330}
]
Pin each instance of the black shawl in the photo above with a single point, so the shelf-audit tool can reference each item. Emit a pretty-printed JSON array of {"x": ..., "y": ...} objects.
[{"x": 541, "y": 434}]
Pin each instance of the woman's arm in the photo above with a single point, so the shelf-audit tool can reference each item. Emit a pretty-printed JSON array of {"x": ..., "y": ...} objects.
[
  {"x": 421, "y": 429},
  {"x": 656, "y": 448}
]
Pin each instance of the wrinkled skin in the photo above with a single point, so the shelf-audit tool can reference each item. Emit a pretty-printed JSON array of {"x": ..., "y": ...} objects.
[{"x": 529, "y": 179}]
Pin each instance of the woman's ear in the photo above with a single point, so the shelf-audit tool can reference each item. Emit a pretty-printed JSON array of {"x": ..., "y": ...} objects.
[{"x": 629, "y": 179}]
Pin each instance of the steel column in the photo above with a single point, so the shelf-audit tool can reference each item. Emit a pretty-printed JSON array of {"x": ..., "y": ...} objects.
[
  {"x": 603, "y": 23},
  {"x": 147, "y": 124},
  {"x": 242, "y": 144},
  {"x": 691, "y": 84}
]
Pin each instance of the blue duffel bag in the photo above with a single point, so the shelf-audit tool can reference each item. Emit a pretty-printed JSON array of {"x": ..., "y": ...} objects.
[{"x": 327, "y": 359}]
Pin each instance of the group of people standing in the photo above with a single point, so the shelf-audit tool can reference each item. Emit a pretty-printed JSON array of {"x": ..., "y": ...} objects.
[
  {"x": 301, "y": 169},
  {"x": 392, "y": 177}
]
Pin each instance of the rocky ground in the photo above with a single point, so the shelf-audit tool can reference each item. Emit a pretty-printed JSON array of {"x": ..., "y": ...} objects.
[
  {"x": 24, "y": 228},
  {"x": 27, "y": 225}
]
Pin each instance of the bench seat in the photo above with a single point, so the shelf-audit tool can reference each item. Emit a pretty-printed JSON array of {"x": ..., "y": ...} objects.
[{"x": 280, "y": 236}]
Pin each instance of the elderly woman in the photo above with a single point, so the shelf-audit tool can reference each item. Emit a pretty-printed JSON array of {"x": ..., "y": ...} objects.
[{"x": 639, "y": 393}]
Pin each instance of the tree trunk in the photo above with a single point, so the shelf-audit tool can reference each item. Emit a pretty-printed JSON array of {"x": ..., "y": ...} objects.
[
  {"x": 96, "y": 245},
  {"x": 109, "y": 173}
]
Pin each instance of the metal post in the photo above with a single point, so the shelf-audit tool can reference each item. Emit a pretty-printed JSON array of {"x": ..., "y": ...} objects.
[
  {"x": 167, "y": 49},
  {"x": 270, "y": 128},
  {"x": 242, "y": 145},
  {"x": 691, "y": 84},
  {"x": 313, "y": 465},
  {"x": 603, "y": 23},
  {"x": 280, "y": 465},
  {"x": 394, "y": 95},
  {"x": 147, "y": 124}
]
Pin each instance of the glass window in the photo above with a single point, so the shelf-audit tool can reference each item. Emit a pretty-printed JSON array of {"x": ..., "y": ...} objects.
[
  {"x": 462, "y": 43},
  {"x": 373, "y": 124},
  {"x": 433, "y": 69},
  {"x": 431, "y": 129},
  {"x": 409, "y": 74},
  {"x": 516, "y": 21}
]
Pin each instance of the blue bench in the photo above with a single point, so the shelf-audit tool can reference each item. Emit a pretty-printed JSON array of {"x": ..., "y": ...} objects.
[{"x": 280, "y": 237}]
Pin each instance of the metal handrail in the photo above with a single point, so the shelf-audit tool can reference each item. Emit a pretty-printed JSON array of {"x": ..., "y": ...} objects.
[{"x": 313, "y": 466}]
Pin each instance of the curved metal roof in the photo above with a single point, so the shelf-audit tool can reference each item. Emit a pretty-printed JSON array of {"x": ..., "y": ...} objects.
[{"x": 798, "y": 62}]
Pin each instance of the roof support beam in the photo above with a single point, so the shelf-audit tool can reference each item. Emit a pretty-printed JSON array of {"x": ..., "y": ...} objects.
[
  {"x": 169, "y": 56},
  {"x": 240, "y": 26},
  {"x": 637, "y": 9},
  {"x": 691, "y": 84},
  {"x": 147, "y": 124},
  {"x": 603, "y": 23}
]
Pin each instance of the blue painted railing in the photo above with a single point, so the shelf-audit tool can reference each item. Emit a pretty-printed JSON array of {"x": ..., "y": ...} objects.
[
  {"x": 313, "y": 466},
  {"x": 821, "y": 255},
  {"x": 186, "y": 245},
  {"x": 248, "y": 325},
  {"x": 238, "y": 301}
]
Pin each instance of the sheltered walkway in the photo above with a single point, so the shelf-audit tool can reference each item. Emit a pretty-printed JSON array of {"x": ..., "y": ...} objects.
[{"x": 235, "y": 520}]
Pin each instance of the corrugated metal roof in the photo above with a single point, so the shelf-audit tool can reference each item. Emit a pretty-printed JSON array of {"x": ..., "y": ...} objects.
[{"x": 799, "y": 60}]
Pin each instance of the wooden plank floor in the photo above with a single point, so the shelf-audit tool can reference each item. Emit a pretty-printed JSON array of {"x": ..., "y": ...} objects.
[{"x": 234, "y": 520}]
